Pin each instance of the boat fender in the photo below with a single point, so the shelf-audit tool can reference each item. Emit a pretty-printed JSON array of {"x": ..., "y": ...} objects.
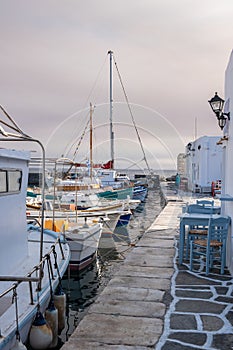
[
  {"x": 19, "y": 345},
  {"x": 40, "y": 336},
  {"x": 51, "y": 316},
  {"x": 60, "y": 303}
]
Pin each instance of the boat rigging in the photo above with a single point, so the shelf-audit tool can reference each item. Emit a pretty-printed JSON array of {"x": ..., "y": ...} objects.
[{"x": 111, "y": 163}]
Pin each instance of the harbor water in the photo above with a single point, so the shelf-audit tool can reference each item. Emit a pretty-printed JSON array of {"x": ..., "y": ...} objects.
[{"x": 82, "y": 288}]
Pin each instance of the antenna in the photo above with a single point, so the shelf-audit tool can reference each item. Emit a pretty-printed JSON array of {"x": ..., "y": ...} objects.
[{"x": 195, "y": 128}]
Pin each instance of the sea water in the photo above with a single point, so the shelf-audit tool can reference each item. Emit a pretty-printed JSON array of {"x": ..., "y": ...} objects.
[{"x": 83, "y": 288}]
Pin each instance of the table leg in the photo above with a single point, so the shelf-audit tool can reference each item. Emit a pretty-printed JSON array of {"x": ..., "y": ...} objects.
[{"x": 181, "y": 242}]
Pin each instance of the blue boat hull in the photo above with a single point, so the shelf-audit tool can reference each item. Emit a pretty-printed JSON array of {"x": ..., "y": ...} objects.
[
  {"x": 140, "y": 193},
  {"x": 124, "y": 220}
]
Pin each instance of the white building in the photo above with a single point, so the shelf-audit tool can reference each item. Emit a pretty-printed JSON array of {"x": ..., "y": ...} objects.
[
  {"x": 181, "y": 163},
  {"x": 204, "y": 161},
  {"x": 227, "y": 145}
]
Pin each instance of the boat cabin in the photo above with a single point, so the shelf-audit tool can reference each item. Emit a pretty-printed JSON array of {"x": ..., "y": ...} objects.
[{"x": 13, "y": 185}]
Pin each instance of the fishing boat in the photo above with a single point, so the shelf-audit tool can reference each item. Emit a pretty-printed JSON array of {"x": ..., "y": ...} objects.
[
  {"x": 25, "y": 254},
  {"x": 83, "y": 241},
  {"x": 33, "y": 260},
  {"x": 140, "y": 192},
  {"x": 82, "y": 233},
  {"x": 82, "y": 228}
]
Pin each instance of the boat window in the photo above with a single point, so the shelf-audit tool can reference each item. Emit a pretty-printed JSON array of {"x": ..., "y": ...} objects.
[
  {"x": 3, "y": 182},
  {"x": 14, "y": 180},
  {"x": 10, "y": 180}
]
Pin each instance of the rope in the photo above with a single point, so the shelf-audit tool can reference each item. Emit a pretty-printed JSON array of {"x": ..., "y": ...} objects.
[
  {"x": 134, "y": 163},
  {"x": 81, "y": 138},
  {"x": 55, "y": 264},
  {"x": 67, "y": 150},
  {"x": 14, "y": 299},
  {"x": 131, "y": 114},
  {"x": 49, "y": 274}
]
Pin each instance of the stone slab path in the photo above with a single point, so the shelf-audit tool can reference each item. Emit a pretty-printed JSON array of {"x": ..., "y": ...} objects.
[{"x": 152, "y": 303}]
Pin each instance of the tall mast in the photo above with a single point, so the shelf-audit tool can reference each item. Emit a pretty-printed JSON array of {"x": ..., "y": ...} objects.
[
  {"x": 111, "y": 112},
  {"x": 91, "y": 161}
]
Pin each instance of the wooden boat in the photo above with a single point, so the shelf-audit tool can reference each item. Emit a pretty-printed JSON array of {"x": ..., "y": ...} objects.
[
  {"x": 81, "y": 228},
  {"x": 83, "y": 241},
  {"x": 140, "y": 192},
  {"x": 82, "y": 233}
]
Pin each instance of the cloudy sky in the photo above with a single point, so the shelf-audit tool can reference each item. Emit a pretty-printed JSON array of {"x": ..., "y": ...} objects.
[{"x": 171, "y": 55}]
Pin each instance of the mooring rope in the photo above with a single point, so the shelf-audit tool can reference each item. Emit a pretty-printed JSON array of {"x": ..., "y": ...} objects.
[
  {"x": 14, "y": 299},
  {"x": 131, "y": 114}
]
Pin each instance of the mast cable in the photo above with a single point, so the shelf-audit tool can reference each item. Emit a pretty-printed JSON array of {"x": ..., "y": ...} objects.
[{"x": 131, "y": 114}]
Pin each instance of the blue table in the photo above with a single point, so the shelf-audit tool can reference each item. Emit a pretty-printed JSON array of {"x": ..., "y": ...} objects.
[{"x": 191, "y": 219}]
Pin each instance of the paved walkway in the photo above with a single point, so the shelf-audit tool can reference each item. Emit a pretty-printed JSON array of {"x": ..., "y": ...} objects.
[{"x": 151, "y": 303}]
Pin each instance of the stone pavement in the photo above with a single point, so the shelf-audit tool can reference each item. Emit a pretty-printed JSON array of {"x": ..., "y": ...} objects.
[
  {"x": 200, "y": 314},
  {"x": 152, "y": 303}
]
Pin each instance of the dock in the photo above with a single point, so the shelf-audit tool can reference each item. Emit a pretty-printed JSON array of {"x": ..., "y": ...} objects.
[{"x": 152, "y": 303}]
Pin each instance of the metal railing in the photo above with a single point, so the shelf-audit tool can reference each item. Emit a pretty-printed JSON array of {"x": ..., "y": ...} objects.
[{"x": 38, "y": 268}]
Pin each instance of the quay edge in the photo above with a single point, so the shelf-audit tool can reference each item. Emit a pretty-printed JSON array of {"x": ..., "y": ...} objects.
[{"x": 129, "y": 313}]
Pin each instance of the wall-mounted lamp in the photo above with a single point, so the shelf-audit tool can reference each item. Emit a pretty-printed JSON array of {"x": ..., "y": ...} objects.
[{"x": 217, "y": 103}]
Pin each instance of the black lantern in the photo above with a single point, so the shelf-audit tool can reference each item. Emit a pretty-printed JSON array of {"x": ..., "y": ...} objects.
[
  {"x": 217, "y": 103},
  {"x": 222, "y": 121}
]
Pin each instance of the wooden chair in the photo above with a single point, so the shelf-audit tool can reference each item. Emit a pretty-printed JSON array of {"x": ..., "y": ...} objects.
[
  {"x": 213, "y": 247},
  {"x": 197, "y": 232}
]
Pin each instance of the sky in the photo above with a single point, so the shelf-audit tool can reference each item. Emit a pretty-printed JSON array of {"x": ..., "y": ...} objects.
[{"x": 171, "y": 56}]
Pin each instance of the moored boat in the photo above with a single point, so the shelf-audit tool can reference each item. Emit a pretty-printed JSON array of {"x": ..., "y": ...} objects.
[
  {"x": 83, "y": 241},
  {"x": 140, "y": 192},
  {"x": 28, "y": 255},
  {"x": 82, "y": 233}
]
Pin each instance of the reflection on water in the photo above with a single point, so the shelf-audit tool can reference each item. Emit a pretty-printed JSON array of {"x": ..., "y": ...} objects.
[{"x": 83, "y": 287}]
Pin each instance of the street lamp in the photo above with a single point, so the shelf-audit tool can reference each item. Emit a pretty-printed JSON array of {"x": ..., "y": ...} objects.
[{"x": 217, "y": 103}]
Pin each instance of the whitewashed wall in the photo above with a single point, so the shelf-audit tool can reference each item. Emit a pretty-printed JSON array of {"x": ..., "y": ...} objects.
[
  {"x": 204, "y": 163},
  {"x": 228, "y": 158}
]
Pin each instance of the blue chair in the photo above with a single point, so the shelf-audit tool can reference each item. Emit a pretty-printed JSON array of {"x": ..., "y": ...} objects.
[
  {"x": 198, "y": 231},
  {"x": 198, "y": 208},
  {"x": 213, "y": 246}
]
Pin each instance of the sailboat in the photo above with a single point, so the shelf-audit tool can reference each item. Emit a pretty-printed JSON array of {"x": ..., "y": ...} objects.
[{"x": 122, "y": 185}]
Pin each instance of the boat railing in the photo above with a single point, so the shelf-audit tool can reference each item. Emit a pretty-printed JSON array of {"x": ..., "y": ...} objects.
[{"x": 40, "y": 267}]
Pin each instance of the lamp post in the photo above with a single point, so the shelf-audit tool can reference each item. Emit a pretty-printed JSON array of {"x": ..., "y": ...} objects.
[{"x": 216, "y": 104}]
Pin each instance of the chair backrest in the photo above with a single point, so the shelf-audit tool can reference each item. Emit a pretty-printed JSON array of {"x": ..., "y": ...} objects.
[
  {"x": 205, "y": 202},
  {"x": 218, "y": 228},
  {"x": 197, "y": 208}
]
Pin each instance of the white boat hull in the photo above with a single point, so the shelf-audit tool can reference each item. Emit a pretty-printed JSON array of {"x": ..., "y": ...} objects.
[
  {"x": 27, "y": 311},
  {"x": 83, "y": 243}
]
